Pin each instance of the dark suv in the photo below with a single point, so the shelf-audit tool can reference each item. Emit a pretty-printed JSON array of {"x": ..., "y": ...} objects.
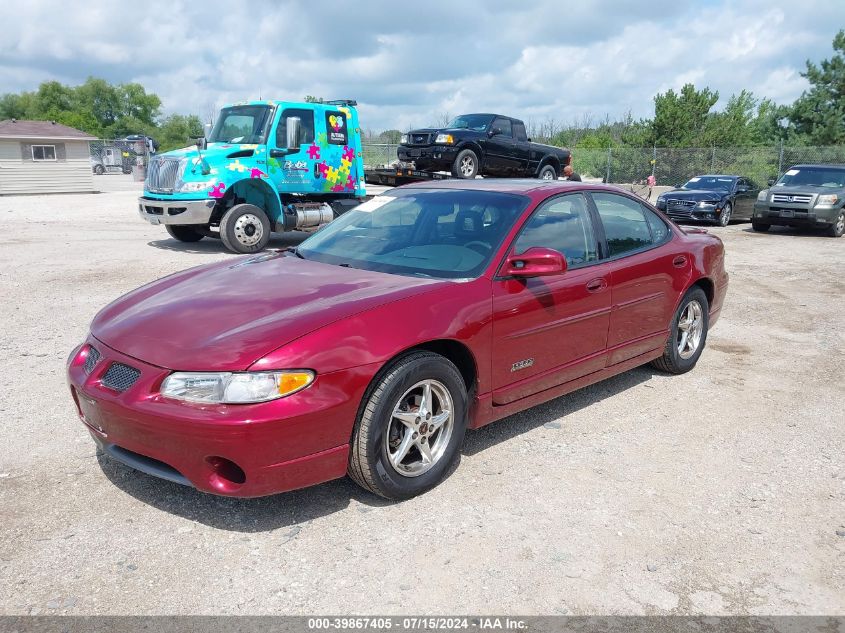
[
  {"x": 805, "y": 196},
  {"x": 486, "y": 144}
]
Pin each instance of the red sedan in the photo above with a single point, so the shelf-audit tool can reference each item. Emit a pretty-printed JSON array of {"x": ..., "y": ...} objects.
[{"x": 375, "y": 344}]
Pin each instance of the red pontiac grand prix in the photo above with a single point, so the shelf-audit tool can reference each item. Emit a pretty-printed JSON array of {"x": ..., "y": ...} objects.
[{"x": 373, "y": 346}]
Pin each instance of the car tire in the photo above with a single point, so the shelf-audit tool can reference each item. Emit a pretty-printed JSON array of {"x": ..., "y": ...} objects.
[
  {"x": 387, "y": 453},
  {"x": 837, "y": 228},
  {"x": 687, "y": 335},
  {"x": 760, "y": 227},
  {"x": 245, "y": 229},
  {"x": 99, "y": 169},
  {"x": 548, "y": 172},
  {"x": 465, "y": 165},
  {"x": 725, "y": 215},
  {"x": 184, "y": 233}
]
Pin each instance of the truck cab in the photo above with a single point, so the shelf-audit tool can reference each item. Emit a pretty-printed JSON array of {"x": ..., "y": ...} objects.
[{"x": 265, "y": 166}]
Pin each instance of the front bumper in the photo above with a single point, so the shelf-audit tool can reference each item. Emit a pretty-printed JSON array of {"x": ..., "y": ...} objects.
[
  {"x": 795, "y": 215},
  {"x": 691, "y": 213},
  {"x": 436, "y": 157},
  {"x": 281, "y": 445},
  {"x": 157, "y": 211}
]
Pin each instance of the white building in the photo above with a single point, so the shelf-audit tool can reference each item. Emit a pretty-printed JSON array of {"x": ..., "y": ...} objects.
[{"x": 43, "y": 157}]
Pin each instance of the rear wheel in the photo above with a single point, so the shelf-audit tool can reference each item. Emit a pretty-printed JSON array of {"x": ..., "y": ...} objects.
[
  {"x": 465, "y": 165},
  {"x": 837, "y": 228},
  {"x": 245, "y": 229},
  {"x": 411, "y": 427},
  {"x": 99, "y": 169},
  {"x": 760, "y": 226},
  {"x": 184, "y": 233},
  {"x": 688, "y": 334},
  {"x": 547, "y": 173}
]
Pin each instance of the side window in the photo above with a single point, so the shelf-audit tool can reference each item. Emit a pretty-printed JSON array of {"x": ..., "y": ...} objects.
[
  {"x": 306, "y": 126},
  {"x": 625, "y": 226},
  {"x": 659, "y": 230},
  {"x": 504, "y": 125},
  {"x": 519, "y": 131},
  {"x": 563, "y": 224},
  {"x": 336, "y": 130}
]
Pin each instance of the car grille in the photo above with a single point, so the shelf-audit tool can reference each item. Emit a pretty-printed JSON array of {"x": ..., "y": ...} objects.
[
  {"x": 675, "y": 202},
  {"x": 791, "y": 197},
  {"x": 163, "y": 173},
  {"x": 420, "y": 139},
  {"x": 91, "y": 360},
  {"x": 120, "y": 377}
]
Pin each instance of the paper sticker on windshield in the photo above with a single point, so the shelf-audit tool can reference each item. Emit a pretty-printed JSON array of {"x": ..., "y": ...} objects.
[
  {"x": 373, "y": 203},
  {"x": 791, "y": 172},
  {"x": 696, "y": 179}
]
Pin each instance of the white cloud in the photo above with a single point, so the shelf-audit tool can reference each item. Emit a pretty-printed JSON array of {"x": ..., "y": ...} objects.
[{"x": 409, "y": 64}]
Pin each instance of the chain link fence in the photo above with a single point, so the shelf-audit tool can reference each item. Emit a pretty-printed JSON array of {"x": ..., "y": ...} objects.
[
  {"x": 673, "y": 166},
  {"x": 379, "y": 154},
  {"x": 119, "y": 156}
]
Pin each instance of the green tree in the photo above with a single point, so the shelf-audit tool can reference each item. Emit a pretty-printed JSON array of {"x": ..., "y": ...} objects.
[
  {"x": 819, "y": 113},
  {"x": 680, "y": 119},
  {"x": 178, "y": 130}
]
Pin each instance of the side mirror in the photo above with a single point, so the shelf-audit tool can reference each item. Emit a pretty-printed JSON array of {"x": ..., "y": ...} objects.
[
  {"x": 535, "y": 262},
  {"x": 202, "y": 143},
  {"x": 494, "y": 131},
  {"x": 294, "y": 126},
  {"x": 677, "y": 186},
  {"x": 771, "y": 181}
]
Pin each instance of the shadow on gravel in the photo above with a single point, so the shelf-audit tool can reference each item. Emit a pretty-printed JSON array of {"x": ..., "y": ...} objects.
[
  {"x": 515, "y": 425},
  {"x": 214, "y": 245},
  {"x": 789, "y": 230},
  {"x": 263, "y": 514}
]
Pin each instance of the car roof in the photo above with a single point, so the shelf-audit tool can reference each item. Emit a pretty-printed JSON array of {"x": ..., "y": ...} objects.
[
  {"x": 718, "y": 176},
  {"x": 830, "y": 166},
  {"x": 522, "y": 186}
]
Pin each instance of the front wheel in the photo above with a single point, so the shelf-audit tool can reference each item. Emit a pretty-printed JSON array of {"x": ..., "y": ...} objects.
[
  {"x": 547, "y": 173},
  {"x": 184, "y": 233},
  {"x": 411, "y": 426},
  {"x": 688, "y": 334},
  {"x": 837, "y": 228},
  {"x": 760, "y": 227},
  {"x": 465, "y": 165},
  {"x": 99, "y": 169},
  {"x": 245, "y": 229},
  {"x": 725, "y": 217}
]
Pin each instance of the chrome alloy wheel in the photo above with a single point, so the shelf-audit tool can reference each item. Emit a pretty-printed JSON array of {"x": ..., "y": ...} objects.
[
  {"x": 725, "y": 217},
  {"x": 248, "y": 229},
  {"x": 419, "y": 428},
  {"x": 467, "y": 166},
  {"x": 690, "y": 329},
  {"x": 548, "y": 175}
]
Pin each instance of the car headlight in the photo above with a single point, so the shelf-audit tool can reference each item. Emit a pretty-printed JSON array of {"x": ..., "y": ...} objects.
[
  {"x": 661, "y": 198},
  {"x": 446, "y": 139},
  {"x": 403, "y": 138},
  {"x": 235, "y": 388},
  {"x": 707, "y": 203},
  {"x": 827, "y": 200},
  {"x": 188, "y": 187},
  {"x": 763, "y": 195}
]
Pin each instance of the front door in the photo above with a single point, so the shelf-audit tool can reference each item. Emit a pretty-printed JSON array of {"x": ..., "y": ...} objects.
[
  {"x": 550, "y": 330},
  {"x": 498, "y": 149},
  {"x": 293, "y": 172},
  {"x": 746, "y": 194}
]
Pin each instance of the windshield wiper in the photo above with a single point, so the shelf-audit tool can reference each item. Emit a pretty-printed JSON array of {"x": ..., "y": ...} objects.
[{"x": 295, "y": 251}]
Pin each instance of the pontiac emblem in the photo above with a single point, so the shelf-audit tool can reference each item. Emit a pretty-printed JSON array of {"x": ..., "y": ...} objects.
[{"x": 522, "y": 364}]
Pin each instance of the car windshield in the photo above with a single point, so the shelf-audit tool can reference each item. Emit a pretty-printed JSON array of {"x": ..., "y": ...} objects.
[
  {"x": 477, "y": 122},
  {"x": 441, "y": 233},
  {"x": 812, "y": 177},
  {"x": 710, "y": 183},
  {"x": 242, "y": 124}
]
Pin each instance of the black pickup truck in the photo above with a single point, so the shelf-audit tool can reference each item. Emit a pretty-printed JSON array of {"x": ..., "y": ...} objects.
[{"x": 486, "y": 144}]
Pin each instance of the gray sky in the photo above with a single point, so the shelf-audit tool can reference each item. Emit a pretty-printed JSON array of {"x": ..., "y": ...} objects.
[{"x": 408, "y": 63}]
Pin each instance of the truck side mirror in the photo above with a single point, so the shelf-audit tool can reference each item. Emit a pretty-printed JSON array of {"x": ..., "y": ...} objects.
[
  {"x": 202, "y": 143},
  {"x": 293, "y": 125}
]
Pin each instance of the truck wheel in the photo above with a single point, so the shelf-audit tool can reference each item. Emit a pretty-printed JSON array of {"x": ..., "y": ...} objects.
[
  {"x": 759, "y": 226},
  {"x": 547, "y": 173},
  {"x": 99, "y": 169},
  {"x": 245, "y": 229},
  {"x": 465, "y": 165},
  {"x": 184, "y": 233},
  {"x": 837, "y": 228}
]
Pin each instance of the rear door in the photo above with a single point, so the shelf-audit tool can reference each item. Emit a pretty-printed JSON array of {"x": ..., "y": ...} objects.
[
  {"x": 647, "y": 272},
  {"x": 550, "y": 330},
  {"x": 520, "y": 149}
]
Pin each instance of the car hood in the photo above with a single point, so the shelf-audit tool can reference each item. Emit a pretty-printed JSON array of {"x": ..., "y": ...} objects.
[
  {"x": 695, "y": 194},
  {"x": 805, "y": 189},
  {"x": 226, "y": 316}
]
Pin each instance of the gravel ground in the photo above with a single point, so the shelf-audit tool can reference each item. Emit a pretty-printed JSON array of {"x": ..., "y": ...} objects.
[{"x": 718, "y": 492}]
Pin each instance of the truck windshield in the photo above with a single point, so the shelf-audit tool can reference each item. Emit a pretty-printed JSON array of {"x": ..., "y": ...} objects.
[
  {"x": 444, "y": 234},
  {"x": 477, "y": 122},
  {"x": 242, "y": 124},
  {"x": 812, "y": 177}
]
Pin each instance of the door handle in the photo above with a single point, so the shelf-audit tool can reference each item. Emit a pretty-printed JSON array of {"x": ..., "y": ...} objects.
[
  {"x": 680, "y": 261},
  {"x": 316, "y": 170},
  {"x": 596, "y": 285}
]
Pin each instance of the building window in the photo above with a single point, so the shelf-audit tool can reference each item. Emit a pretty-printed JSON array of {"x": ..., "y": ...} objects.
[{"x": 43, "y": 152}]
